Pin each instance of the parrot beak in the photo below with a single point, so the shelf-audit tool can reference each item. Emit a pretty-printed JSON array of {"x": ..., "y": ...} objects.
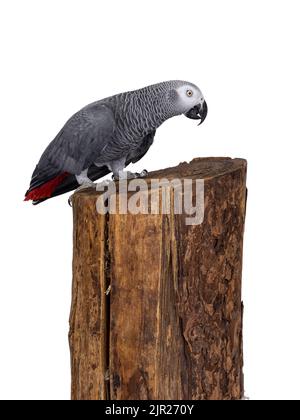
[{"x": 199, "y": 112}]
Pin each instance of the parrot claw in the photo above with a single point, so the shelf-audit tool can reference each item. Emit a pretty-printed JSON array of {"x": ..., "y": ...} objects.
[
  {"x": 130, "y": 175},
  {"x": 84, "y": 186},
  {"x": 140, "y": 174},
  {"x": 100, "y": 185},
  {"x": 143, "y": 173}
]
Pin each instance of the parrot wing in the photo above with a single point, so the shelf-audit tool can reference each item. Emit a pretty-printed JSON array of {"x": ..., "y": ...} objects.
[
  {"x": 75, "y": 147},
  {"x": 144, "y": 147}
]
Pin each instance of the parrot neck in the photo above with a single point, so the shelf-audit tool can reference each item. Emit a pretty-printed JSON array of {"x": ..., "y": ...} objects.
[
  {"x": 146, "y": 109},
  {"x": 154, "y": 101}
]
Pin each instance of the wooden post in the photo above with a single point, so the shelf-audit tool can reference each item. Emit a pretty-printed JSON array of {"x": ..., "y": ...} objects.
[{"x": 156, "y": 310}]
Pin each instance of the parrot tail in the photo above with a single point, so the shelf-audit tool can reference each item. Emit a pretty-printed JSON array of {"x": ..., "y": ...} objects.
[
  {"x": 40, "y": 190},
  {"x": 46, "y": 189}
]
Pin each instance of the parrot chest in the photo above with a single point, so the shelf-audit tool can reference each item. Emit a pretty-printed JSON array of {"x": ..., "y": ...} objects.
[
  {"x": 122, "y": 146},
  {"x": 131, "y": 139}
]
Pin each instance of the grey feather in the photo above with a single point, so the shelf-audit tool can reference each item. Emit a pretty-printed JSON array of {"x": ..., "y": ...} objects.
[{"x": 81, "y": 139}]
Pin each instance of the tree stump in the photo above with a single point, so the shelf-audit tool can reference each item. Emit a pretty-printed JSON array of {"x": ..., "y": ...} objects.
[{"x": 156, "y": 310}]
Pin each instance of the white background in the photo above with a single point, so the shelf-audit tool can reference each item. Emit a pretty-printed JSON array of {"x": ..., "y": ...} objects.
[{"x": 57, "y": 56}]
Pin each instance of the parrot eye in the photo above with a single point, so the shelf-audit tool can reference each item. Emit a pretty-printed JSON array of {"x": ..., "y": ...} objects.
[{"x": 189, "y": 93}]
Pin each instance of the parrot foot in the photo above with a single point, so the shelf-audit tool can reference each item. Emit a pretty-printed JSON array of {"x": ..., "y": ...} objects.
[
  {"x": 100, "y": 185},
  {"x": 129, "y": 175},
  {"x": 84, "y": 186},
  {"x": 143, "y": 173}
]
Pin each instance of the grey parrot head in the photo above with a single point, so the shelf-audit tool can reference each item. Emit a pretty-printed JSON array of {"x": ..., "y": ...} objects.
[{"x": 188, "y": 99}]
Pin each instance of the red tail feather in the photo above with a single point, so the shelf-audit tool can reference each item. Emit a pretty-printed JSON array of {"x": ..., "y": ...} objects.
[{"x": 45, "y": 190}]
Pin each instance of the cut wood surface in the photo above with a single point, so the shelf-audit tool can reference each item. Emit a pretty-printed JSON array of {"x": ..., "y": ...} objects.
[{"x": 156, "y": 309}]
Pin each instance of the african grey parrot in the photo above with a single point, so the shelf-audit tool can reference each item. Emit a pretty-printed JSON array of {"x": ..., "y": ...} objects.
[{"x": 108, "y": 135}]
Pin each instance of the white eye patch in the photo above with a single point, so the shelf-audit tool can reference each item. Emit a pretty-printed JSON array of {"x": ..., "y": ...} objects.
[{"x": 189, "y": 96}]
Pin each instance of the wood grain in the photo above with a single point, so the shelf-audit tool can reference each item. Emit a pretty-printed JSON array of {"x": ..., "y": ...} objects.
[{"x": 171, "y": 326}]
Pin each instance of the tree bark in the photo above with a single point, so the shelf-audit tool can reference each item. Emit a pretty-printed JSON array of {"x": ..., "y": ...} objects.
[{"x": 156, "y": 310}]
